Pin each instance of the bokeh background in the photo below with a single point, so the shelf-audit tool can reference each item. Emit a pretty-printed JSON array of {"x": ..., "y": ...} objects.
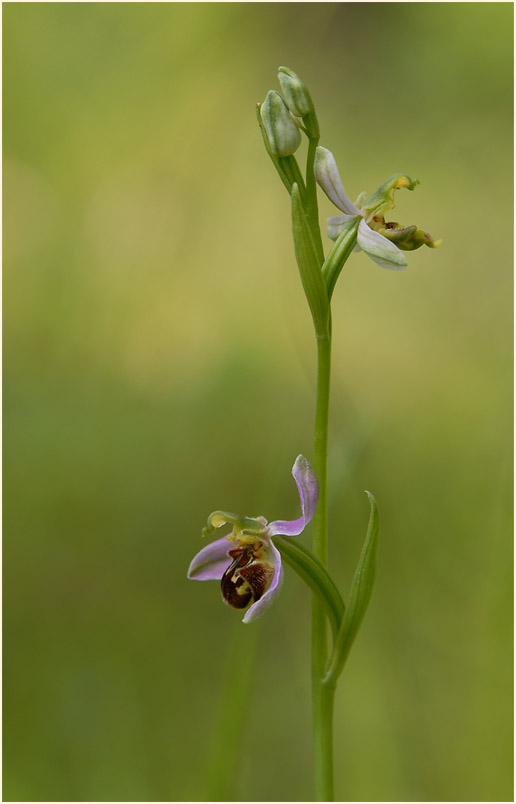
[{"x": 159, "y": 363}]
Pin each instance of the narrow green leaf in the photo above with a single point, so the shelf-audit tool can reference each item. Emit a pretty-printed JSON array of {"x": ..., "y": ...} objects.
[
  {"x": 359, "y": 596},
  {"x": 312, "y": 210},
  {"x": 309, "y": 266},
  {"x": 313, "y": 573},
  {"x": 339, "y": 253}
]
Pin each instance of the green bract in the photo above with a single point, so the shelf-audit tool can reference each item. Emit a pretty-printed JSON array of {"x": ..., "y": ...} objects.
[
  {"x": 309, "y": 266},
  {"x": 313, "y": 573},
  {"x": 359, "y": 596},
  {"x": 339, "y": 253}
]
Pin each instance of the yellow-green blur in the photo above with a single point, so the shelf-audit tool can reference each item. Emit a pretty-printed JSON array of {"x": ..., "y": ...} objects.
[{"x": 159, "y": 361}]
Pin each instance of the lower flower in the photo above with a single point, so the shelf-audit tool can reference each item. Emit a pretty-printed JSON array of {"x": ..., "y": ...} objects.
[{"x": 246, "y": 562}]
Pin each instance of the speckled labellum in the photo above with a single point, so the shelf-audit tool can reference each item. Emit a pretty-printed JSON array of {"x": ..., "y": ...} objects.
[{"x": 246, "y": 578}]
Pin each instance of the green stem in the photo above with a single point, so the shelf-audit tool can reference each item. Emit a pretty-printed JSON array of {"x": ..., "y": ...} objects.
[
  {"x": 320, "y": 538},
  {"x": 322, "y": 694},
  {"x": 312, "y": 211}
]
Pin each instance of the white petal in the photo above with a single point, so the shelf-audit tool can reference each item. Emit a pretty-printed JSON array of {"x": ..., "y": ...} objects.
[
  {"x": 336, "y": 224},
  {"x": 327, "y": 176},
  {"x": 381, "y": 250}
]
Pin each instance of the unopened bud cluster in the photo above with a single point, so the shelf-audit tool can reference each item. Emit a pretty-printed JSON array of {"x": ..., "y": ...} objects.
[{"x": 283, "y": 117}]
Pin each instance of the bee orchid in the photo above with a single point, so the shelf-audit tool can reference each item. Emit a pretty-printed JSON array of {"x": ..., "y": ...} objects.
[
  {"x": 383, "y": 242},
  {"x": 246, "y": 562}
]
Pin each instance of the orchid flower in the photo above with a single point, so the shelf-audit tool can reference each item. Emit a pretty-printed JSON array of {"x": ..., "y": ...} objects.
[
  {"x": 246, "y": 562},
  {"x": 383, "y": 242}
]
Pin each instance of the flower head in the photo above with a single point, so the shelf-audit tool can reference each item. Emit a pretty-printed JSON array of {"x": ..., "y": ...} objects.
[
  {"x": 246, "y": 562},
  {"x": 383, "y": 242}
]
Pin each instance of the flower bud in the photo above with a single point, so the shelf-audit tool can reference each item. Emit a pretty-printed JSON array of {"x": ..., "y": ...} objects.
[
  {"x": 295, "y": 92},
  {"x": 282, "y": 133}
]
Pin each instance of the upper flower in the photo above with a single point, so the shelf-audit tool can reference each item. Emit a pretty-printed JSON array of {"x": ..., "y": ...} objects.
[
  {"x": 246, "y": 562},
  {"x": 383, "y": 242}
]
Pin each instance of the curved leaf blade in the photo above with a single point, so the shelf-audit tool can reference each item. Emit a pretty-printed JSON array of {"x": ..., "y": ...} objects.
[
  {"x": 359, "y": 597},
  {"x": 339, "y": 253},
  {"x": 315, "y": 575},
  {"x": 309, "y": 266}
]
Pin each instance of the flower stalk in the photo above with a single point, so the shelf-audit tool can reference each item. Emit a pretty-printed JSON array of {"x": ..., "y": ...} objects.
[
  {"x": 248, "y": 561},
  {"x": 322, "y": 694}
]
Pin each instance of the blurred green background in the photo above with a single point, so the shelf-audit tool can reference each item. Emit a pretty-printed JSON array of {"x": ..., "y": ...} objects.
[{"x": 159, "y": 363}]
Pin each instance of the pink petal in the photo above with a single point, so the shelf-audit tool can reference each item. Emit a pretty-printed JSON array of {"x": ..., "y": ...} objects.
[
  {"x": 211, "y": 562},
  {"x": 308, "y": 487},
  {"x": 261, "y": 605}
]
